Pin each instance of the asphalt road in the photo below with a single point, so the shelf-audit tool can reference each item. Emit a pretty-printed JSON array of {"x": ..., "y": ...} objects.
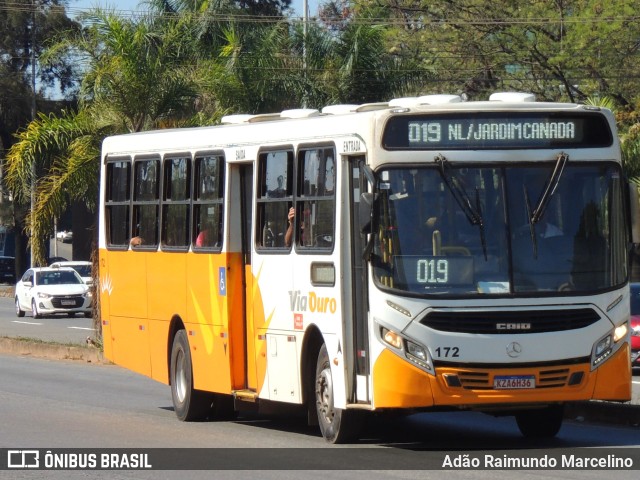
[
  {"x": 59, "y": 328},
  {"x": 54, "y": 405}
]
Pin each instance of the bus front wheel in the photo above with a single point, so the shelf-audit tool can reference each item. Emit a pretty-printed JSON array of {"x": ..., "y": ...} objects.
[
  {"x": 541, "y": 423},
  {"x": 189, "y": 404},
  {"x": 336, "y": 425}
]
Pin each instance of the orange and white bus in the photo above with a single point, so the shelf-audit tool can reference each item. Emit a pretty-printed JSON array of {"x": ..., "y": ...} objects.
[{"x": 439, "y": 254}]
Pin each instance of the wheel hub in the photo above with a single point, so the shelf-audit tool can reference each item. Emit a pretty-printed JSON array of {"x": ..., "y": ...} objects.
[{"x": 324, "y": 395}]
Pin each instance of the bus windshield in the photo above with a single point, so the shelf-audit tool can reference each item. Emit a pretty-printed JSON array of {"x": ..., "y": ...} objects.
[{"x": 498, "y": 230}]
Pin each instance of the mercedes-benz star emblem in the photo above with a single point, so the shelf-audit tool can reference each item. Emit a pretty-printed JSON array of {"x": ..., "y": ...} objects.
[{"x": 514, "y": 349}]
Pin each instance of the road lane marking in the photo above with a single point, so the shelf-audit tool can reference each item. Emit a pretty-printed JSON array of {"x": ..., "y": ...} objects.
[
  {"x": 27, "y": 323},
  {"x": 82, "y": 328}
]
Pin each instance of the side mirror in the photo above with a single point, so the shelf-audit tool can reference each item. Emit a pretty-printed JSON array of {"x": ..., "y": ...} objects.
[
  {"x": 366, "y": 212},
  {"x": 27, "y": 284}
]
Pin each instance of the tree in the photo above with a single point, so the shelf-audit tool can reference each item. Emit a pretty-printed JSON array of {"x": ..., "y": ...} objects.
[
  {"x": 249, "y": 7},
  {"x": 565, "y": 49},
  {"x": 134, "y": 80},
  {"x": 25, "y": 26},
  {"x": 183, "y": 68}
]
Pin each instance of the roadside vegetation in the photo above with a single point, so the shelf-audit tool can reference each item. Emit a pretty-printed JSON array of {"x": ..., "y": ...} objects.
[{"x": 188, "y": 63}]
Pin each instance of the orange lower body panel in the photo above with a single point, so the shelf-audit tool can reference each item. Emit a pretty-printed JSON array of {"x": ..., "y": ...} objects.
[
  {"x": 614, "y": 377},
  {"x": 398, "y": 384}
]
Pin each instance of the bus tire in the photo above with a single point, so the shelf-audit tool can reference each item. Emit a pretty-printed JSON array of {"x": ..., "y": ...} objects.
[
  {"x": 541, "y": 423},
  {"x": 189, "y": 404},
  {"x": 336, "y": 425}
]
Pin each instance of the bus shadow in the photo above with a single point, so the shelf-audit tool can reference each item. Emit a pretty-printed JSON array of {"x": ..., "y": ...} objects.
[{"x": 455, "y": 431}]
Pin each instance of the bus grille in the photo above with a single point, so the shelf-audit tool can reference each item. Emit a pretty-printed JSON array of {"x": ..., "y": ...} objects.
[
  {"x": 510, "y": 322},
  {"x": 478, "y": 380}
]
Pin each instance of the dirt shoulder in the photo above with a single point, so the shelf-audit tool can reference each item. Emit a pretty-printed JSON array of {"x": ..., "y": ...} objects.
[{"x": 54, "y": 351}]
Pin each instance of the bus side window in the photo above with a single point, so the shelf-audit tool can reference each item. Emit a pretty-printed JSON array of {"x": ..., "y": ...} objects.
[
  {"x": 274, "y": 198},
  {"x": 176, "y": 200},
  {"x": 315, "y": 204},
  {"x": 208, "y": 198},
  {"x": 117, "y": 207},
  {"x": 146, "y": 200}
]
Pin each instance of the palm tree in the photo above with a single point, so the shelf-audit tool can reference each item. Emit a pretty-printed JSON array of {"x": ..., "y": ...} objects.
[
  {"x": 66, "y": 148},
  {"x": 135, "y": 79},
  {"x": 184, "y": 68}
]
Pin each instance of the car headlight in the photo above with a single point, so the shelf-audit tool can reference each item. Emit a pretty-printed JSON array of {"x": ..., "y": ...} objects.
[{"x": 44, "y": 295}]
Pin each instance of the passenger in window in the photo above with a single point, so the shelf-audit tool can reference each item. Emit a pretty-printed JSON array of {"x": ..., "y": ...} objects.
[
  {"x": 206, "y": 237},
  {"x": 202, "y": 240},
  {"x": 278, "y": 192},
  {"x": 288, "y": 236},
  {"x": 136, "y": 241}
]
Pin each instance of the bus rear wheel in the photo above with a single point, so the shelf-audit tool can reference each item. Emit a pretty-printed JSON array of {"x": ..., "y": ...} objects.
[
  {"x": 189, "y": 404},
  {"x": 336, "y": 425},
  {"x": 541, "y": 423}
]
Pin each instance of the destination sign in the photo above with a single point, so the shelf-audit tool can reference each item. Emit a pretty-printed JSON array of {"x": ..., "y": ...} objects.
[{"x": 497, "y": 131}]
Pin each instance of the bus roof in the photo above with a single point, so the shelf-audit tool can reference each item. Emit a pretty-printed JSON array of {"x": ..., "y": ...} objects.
[{"x": 305, "y": 124}]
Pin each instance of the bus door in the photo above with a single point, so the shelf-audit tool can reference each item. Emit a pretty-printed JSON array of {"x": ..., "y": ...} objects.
[
  {"x": 246, "y": 213},
  {"x": 359, "y": 313}
]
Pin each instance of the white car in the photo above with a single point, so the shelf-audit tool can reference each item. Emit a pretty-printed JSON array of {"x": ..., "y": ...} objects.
[
  {"x": 82, "y": 267},
  {"x": 48, "y": 291}
]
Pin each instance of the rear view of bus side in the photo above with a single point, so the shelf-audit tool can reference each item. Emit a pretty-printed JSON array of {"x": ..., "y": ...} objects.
[{"x": 422, "y": 253}]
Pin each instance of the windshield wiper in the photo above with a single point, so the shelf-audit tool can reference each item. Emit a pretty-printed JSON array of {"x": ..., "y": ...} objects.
[
  {"x": 474, "y": 215},
  {"x": 548, "y": 192},
  {"x": 535, "y": 215}
]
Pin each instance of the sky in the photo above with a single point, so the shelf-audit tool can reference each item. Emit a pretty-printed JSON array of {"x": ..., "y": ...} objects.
[{"x": 76, "y": 5}]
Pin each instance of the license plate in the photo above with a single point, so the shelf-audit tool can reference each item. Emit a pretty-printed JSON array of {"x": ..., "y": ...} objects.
[
  {"x": 67, "y": 303},
  {"x": 514, "y": 382}
]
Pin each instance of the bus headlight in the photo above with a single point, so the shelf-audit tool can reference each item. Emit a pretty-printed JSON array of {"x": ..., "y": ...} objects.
[
  {"x": 620, "y": 332},
  {"x": 418, "y": 355},
  {"x": 608, "y": 344},
  {"x": 601, "y": 350},
  {"x": 415, "y": 353},
  {"x": 392, "y": 338}
]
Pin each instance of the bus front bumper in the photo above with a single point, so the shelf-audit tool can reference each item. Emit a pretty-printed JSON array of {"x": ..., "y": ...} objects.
[{"x": 399, "y": 384}]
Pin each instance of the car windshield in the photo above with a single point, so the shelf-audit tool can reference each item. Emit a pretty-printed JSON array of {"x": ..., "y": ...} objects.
[
  {"x": 83, "y": 270},
  {"x": 491, "y": 230},
  {"x": 61, "y": 277}
]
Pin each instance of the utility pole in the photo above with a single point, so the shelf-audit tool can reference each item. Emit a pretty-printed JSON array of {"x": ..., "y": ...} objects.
[
  {"x": 305, "y": 26},
  {"x": 33, "y": 117}
]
